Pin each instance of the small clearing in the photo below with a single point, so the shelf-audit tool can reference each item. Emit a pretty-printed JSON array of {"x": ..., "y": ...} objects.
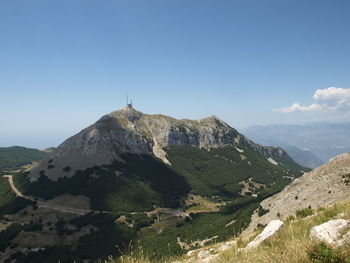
[
  {"x": 200, "y": 204},
  {"x": 194, "y": 244},
  {"x": 249, "y": 186}
]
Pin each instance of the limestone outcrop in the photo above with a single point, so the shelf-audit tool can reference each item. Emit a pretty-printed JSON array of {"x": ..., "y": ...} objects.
[
  {"x": 331, "y": 232},
  {"x": 268, "y": 232}
]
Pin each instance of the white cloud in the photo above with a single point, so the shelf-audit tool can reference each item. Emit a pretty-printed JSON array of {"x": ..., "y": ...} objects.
[{"x": 326, "y": 100}]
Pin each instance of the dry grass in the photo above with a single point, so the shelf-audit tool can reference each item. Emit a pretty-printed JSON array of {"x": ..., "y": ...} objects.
[
  {"x": 201, "y": 204},
  {"x": 289, "y": 245},
  {"x": 139, "y": 257}
]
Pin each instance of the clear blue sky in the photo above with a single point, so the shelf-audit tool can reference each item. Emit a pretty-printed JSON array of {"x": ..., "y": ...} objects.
[{"x": 63, "y": 64}]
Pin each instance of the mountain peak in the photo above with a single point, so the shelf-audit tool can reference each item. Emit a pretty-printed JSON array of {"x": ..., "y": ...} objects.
[
  {"x": 131, "y": 131},
  {"x": 129, "y": 108}
]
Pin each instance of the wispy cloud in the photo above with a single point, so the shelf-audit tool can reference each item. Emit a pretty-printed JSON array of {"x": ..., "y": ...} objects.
[{"x": 326, "y": 100}]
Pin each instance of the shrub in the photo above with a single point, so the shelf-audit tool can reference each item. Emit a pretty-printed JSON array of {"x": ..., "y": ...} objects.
[
  {"x": 321, "y": 253},
  {"x": 66, "y": 169},
  {"x": 14, "y": 206},
  {"x": 262, "y": 211},
  {"x": 8, "y": 234},
  {"x": 13, "y": 257},
  {"x": 304, "y": 212},
  {"x": 49, "y": 254},
  {"x": 261, "y": 225},
  {"x": 60, "y": 227},
  {"x": 290, "y": 218},
  {"x": 179, "y": 224},
  {"x": 97, "y": 220},
  {"x": 346, "y": 178},
  {"x": 141, "y": 220},
  {"x": 32, "y": 227}
]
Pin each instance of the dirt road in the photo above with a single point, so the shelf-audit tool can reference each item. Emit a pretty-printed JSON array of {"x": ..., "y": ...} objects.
[
  {"x": 13, "y": 187},
  {"x": 47, "y": 204}
]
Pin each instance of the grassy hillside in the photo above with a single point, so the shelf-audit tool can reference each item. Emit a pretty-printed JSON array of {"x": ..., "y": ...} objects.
[
  {"x": 9, "y": 203},
  {"x": 291, "y": 244},
  {"x": 233, "y": 181},
  {"x": 6, "y": 194},
  {"x": 137, "y": 184},
  {"x": 219, "y": 171},
  {"x": 142, "y": 182},
  {"x": 16, "y": 156}
]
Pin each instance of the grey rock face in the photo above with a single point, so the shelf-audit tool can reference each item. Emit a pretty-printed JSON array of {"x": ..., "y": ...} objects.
[
  {"x": 322, "y": 187},
  {"x": 130, "y": 131},
  {"x": 330, "y": 232},
  {"x": 268, "y": 232}
]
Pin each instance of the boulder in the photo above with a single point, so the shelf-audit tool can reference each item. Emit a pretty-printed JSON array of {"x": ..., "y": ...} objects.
[
  {"x": 330, "y": 232},
  {"x": 268, "y": 232}
]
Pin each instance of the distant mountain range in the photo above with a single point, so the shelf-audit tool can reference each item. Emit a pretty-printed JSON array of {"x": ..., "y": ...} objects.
[
  {"x": 324, "y": 140},
  {"x": 303, "y": 157}
]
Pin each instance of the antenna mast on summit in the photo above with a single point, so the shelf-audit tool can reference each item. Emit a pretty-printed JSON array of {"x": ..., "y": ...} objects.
[{"x": 127, "y": 101}]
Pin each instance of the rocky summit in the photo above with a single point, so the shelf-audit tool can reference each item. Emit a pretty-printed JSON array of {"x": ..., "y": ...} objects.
[{"x": 131, "y": 131}]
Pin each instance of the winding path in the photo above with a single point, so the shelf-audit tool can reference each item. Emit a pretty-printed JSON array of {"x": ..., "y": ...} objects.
[
  {"x": 47, "y": 204},
  {"x": 14, "y": 189}
]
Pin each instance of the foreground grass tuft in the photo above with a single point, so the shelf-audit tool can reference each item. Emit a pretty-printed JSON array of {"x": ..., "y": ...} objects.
[
  {"x": 321, "y": 253},
  {"x": 292, "y": 243}
]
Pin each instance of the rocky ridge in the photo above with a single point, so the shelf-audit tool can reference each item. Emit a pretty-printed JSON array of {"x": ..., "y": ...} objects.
[
  {"x": 321, "y": 187},
  {"x": 131, "y": 131}
]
